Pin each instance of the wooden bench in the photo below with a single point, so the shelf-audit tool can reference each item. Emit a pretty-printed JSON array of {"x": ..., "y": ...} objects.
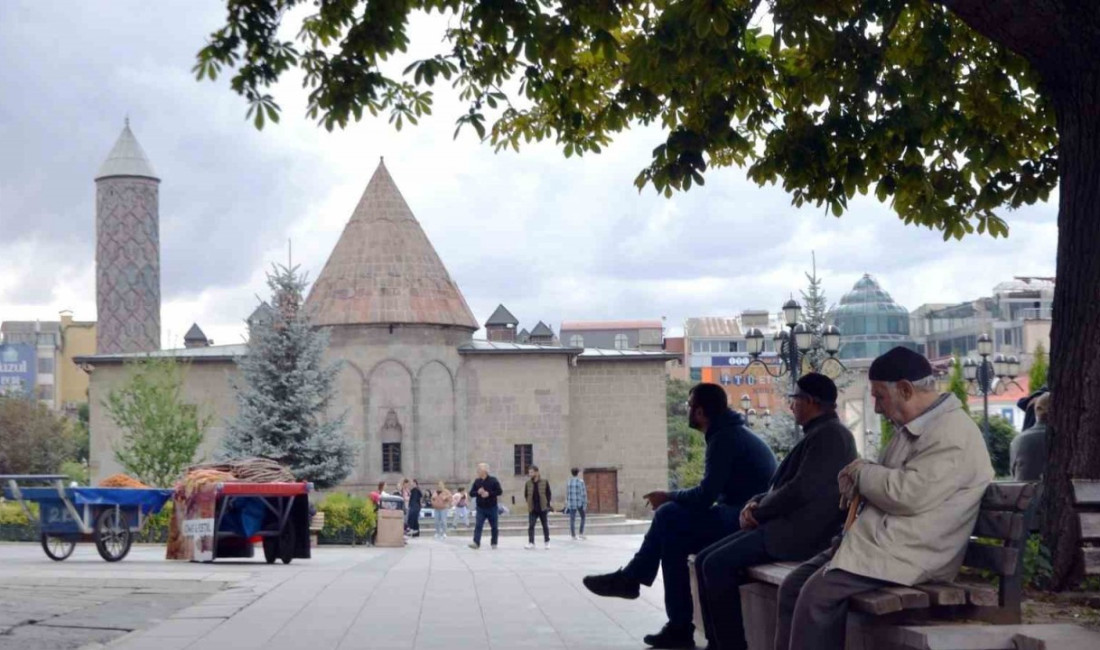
[
  {"x": 1003, "y": 525},
  {"x": 1086, "y": 500}
]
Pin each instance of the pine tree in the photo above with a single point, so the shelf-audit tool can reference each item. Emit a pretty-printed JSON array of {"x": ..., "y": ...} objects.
[
  {"x": 814, "y": 311},
  {"x": 1037, "y": 376},
  {"x": 957, "y": 384},
  {"x": 284, "y": 390}
]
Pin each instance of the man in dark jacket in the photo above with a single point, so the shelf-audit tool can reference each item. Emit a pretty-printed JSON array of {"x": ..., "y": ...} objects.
[
  {"x": 737, "y": 465},
  {"x": 793, "y": 521},
  {"x": 486, "y": 489},
  {"x": 416, "y": 497}
]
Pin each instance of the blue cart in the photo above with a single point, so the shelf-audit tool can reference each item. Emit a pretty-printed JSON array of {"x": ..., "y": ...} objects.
[{"x": 110, "y": 517}]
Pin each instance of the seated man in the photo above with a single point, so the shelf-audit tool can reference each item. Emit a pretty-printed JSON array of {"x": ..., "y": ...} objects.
[
  {"x": 737, "y": 465},
  {"x": 1028, "y": 452},
  {"x": 918, "y": 506},
  {"x": 793, "y": 521}
]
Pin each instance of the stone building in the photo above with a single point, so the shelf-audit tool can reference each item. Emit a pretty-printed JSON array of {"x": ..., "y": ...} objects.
[
  {"x": 424, "y": 398},
  {"x": 127, "y": 250}
]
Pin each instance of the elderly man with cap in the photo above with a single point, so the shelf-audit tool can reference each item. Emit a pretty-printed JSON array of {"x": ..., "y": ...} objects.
[
  {"x": 792, "y": 521},
  {"x": 919, "y": 505}
]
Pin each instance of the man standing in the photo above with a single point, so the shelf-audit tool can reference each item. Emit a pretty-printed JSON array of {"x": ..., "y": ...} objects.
[
  {"x": 486, "y": 488},
  {"x": 792, "y": 521},
  {"x": 737, "y": 465},
  {"x": 416, "y": 499},
  {"x": 576, "y": 501},
  {"x": 919, "y": 506},
  {"x": 537, "y": 493},
  {"x": 1028, "y": 451}
]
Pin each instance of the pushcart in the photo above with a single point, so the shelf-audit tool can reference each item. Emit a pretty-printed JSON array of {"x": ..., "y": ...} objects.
[
  {"x": 109, "y": 517},
  {"x": 276, "y": 514}
]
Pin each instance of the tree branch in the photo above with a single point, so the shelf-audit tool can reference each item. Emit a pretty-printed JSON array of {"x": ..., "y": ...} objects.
[{"x": 1031, "y": 28}]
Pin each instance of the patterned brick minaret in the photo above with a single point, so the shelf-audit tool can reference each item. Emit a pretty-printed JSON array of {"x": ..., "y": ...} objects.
[{"x": 127, "y": 250}]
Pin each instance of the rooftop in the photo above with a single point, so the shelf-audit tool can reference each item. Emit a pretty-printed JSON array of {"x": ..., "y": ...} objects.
[
  {"x": 501, "y": 316},
  {"x": 711, "y": 326},
  {"x": 211, "y": 353},
  {"x": 597, "y": 325}
]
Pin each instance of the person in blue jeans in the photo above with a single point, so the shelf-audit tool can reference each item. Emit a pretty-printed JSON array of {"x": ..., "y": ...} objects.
[
  {"x": 576, "y": 501},
  {"x": 737, "y": 466},
  {"x": 485, "y": 489}
]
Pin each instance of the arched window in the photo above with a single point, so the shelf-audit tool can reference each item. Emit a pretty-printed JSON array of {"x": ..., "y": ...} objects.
[
  {"x": 576, "y": 341},
  {"x": 621, "y": 342}
]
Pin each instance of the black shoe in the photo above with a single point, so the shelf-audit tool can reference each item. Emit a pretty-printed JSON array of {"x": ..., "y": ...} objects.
[
  {"x": 613, "y": 585},
  {"x": 672, "y": 637}
]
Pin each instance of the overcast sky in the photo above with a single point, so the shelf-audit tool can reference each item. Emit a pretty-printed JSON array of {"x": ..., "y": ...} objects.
[{"x": 552, "y": 238}]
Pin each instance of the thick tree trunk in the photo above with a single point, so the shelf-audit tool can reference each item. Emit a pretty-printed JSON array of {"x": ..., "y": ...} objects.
[{"x": 1075, "y": 333}]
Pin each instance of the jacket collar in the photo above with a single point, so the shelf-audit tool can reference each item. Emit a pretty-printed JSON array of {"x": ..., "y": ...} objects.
[
  {"x": 730, "y": 419},
  {"x": 813, "y": 425},
  {"x": 945, "y": 403}
]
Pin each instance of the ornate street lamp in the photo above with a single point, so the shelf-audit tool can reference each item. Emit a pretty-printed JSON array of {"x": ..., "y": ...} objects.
[
  {"x": 792, "y": 346},
  {"x": 980, "y": 375}
]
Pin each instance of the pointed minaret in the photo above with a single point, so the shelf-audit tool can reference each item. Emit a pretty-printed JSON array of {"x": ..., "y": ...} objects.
[
  {"x": 384, "y": 271},
  {"x": 127, "y": 250}
]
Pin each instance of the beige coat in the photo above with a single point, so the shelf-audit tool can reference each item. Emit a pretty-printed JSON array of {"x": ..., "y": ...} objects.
[
  {"x": 441, "y": 500},
  {"x": 921, "y": 502}
]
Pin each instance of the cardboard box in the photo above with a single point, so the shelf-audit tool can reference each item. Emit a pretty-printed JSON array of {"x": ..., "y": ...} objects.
[{"x": 391, "y": 529}]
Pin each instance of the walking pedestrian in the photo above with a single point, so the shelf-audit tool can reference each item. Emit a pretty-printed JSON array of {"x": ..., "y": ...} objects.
[
  {"x": 537, "y": 493},
  {"x": 576, "y": 501},
  {"x": 441, "y": 503},
  {"x": 486, "y": 488},
  {"x": 461, "y": 508},
  {"x": 415, "y": 501}
]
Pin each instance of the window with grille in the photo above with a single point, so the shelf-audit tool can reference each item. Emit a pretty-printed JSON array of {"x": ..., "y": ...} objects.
[
  {"x": 576, "y": 341},
  {"x": 621, "y": 342},
  {"x": 524, "y": 458},
  {"x": 391, "y": 456}
]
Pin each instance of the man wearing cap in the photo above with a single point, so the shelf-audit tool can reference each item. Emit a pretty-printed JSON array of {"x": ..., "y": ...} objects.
[
  {"x": 919, "y": 505},
  {"x": 792, "y": 521}
]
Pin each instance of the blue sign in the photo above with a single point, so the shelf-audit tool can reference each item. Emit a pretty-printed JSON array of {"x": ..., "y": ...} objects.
[
  {"x": 743, "y": 361},
  {"x": 18, "y": 368}
]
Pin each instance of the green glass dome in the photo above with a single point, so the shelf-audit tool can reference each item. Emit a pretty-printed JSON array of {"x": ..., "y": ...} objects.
[{"x": 870, "y": 322}]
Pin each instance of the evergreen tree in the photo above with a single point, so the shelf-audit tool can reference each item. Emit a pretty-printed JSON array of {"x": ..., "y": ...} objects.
[
  {"x": 284, "y": 390},
  {"x": 814, "y": 312},
  {"x": 957, "y": 384},
  {"x": 1037, "y": 376}
]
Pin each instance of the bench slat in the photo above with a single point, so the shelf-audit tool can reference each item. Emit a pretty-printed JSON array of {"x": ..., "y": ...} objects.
[
  {"x": 999, "y": 524},
  {"x": 1005, "y": 495},
  {"x": 876, "y": 602},
  {"x": 943, "y": 594},
  {"x": 997, "y": 559},
  {"x": 773, "y": 574},
  {"x": 981, "y": 596},
  {"x": 1090, "y": 525},
  {"x": 1086, "y": 492},
  {"x": 1091, "y": 560},
  {"x": 910, "y": 598}
]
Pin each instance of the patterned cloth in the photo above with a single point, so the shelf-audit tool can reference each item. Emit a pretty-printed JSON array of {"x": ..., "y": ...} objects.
[{"x": 576, "y": 496}]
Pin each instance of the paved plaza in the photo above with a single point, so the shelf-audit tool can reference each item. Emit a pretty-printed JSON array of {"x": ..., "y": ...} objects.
[{"x": 430, "y": 594}]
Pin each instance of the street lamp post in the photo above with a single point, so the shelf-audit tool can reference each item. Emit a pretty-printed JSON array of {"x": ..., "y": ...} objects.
[{"x": 980, "y": 375}]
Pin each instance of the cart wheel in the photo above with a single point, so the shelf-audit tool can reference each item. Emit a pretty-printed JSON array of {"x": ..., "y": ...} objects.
[
  {"x": 271, "y": 549},
  {"x": 286, "y": 543},
  {"x": 57, "y": 548},
  {"x": 112, "y": 535}
]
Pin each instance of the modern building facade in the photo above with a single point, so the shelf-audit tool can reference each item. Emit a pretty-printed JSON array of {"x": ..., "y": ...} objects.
[
  {"x": 423, "y": 398},
  {"x": 53, "y": 377},
  {"x": 715, "y": 351},
  {"x": 870, "y": 322}
]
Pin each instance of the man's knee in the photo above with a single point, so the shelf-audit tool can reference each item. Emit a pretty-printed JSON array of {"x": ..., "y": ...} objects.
[{"x": 790, "y": 589}]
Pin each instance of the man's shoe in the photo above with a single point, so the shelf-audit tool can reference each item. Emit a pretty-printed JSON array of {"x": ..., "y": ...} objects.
[
  {"x": 494, "y": 547},
  {"x": 529, "y": 547},
  {"x": 475, "y": 546},
  {"x": 671, "y": 637},
  {"x": 546, "y": 546},
  {"x": 613, "y": 585}
]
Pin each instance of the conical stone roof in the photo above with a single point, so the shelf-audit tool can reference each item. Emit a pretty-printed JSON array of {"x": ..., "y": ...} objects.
[
  {"x": 384, "y": 270},
  {"x": 127, "y": 158}
]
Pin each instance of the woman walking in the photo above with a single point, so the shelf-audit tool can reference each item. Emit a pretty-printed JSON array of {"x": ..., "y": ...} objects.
[{"x": 441, "y": 503}]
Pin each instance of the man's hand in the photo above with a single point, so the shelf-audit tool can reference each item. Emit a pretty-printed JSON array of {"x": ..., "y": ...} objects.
[
  {"x": 483, "y": 493},
  {"x": 848, "y": 482},
  {"x": 656, "y": 499},
  {"x": 748, "y": 521}
]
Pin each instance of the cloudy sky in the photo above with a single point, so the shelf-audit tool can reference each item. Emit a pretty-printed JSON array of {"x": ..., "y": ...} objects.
[{"x": 552, "y": 238}]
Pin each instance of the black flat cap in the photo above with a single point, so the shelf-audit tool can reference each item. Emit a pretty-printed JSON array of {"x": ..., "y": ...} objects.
[
  {"x": 817, "y": 386},
  {"x": 899, "y": 364}
]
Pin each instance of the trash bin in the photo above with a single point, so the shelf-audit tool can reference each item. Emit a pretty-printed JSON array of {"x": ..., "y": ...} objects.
[{"x": 391, "y": 522}]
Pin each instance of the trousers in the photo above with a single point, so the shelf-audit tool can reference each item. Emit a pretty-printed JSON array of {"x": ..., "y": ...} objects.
[
  {"x": 720, "y": 572},
  {"x": 479, "y": 523},
  {"x": 532, "y": 517}
]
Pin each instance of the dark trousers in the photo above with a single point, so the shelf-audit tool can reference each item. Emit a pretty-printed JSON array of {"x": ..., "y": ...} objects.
[
  {"x": 813, "y": 605},
  {"x": 720, "y": 572},
  {"x": 492, "y": 514},
  {"x": 532, "y": 517},
  {"x": 413, "y": 522},
  {"x": 573, "y": 512},
  {"x": 675, "y": 533}
]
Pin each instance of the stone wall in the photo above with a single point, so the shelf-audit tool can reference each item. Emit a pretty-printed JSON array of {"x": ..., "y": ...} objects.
[
  {"x": 513, "y": 400},
  {"x": 618, "y": 421},
  {"x": 207, "y": 384}
]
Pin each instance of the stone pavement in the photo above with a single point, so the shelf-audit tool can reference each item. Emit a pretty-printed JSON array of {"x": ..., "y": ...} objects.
[{"x": 430, "y": 594}]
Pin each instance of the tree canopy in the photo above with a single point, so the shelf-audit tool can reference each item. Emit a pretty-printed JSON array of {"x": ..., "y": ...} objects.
[{"x": 830, "y": 98}]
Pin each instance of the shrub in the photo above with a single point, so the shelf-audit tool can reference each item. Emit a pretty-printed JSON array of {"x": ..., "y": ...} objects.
[
  {"x": 11, "y": 514},
  {"x": 76, "y": 471},
  {"x": 348, "y": 519}
]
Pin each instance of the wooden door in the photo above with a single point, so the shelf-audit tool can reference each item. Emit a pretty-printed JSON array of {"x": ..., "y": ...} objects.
[{"x": 603, "y": 490}]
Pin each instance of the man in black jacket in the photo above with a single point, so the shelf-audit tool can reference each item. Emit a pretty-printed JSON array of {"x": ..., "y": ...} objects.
[
  {"x": 737, "y": 465},
  {"x": 793, "y": 521},
  {"x": 486, "y": 489}
]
